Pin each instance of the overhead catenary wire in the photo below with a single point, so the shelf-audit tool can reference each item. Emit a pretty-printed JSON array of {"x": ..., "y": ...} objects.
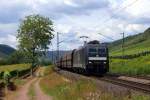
[
  {"x": 111, "y": 17},
  {"x": 72, "y": 40},
  {"x": 63, "y": 41},
  {"x": 106, "y": 36},
  {"x": 118, "y": 10},
  {"x": 105, "y": 21}
]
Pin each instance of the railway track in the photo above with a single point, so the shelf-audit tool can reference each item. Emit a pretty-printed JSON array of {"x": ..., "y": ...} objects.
[
  {"x": 128, "y": 84},
  {"x": 133, "y": 76},
  {"x": 114, "y": 79}
]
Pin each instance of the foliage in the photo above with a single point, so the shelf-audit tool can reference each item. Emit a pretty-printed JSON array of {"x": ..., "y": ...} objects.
[
  {"x": 34, "y": 35},
  {"x": 45, "y": 61},
  {"x": 16, "y": 70},
  {"x": 6, "y": 77},
  {"x": 3, "y": 61},
  {"x": 10, "y": 68},
  {"x": 133, "y": 45},
  {"x": 136, "y": 66},
  {"x": 17, "y": 57}
]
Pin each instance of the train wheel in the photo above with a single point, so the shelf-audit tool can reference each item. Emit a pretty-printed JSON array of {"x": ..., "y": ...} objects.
[{"x": 87, "y": 72}]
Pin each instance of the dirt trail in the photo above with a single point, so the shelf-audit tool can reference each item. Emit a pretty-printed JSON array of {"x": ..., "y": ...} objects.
[
  {"x": 23, "y": 93},
  {"x": 39, "y": 94}
]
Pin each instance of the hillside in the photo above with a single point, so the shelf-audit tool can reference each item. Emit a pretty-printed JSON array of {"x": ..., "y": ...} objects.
[
  {"x": 5, "y": 50},
  {"x": 133, "y": 44}
]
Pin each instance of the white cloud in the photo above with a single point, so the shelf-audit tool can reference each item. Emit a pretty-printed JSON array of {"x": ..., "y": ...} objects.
[
  {"x": 75, "y": 18},
  {"x": 70, "y": 3},
  {"x": 9, "y": 40},
  {"x": 139, "y": 8},
  {"x": 6, "y": 29},
  {"x": 63, "y": 28}
]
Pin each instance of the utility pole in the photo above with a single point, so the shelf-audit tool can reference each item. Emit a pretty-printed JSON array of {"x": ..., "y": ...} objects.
[
  {"x": 58, "y": 46},
  {"x": 84, "y": 39},
  {"x": 123, "y": 40},
  {"x": 58, "y": 42},
  {"x": 123, "y": 44},
  {"x": 52, "y": 55}
]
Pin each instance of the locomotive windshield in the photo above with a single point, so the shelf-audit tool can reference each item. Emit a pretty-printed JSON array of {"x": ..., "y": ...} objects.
[
  {"x": 94, "y": 52},
  {"x": 102, "y": 52}
]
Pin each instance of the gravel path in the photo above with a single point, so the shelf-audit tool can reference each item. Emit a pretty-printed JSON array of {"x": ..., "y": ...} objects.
[
  {"x": 22, "y": 94},
  {"x": 39, "y": 94}
]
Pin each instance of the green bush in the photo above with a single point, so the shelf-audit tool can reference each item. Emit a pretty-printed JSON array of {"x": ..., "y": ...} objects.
[
  {"x": 137, "y": 66},
  {"x": 17, "y": 57},
  {"x": 45, "y": 62},
  {"x": 16, "y": 69},
  {"x": 1, "y": 75},
  {"x": 3, "y": 62}
]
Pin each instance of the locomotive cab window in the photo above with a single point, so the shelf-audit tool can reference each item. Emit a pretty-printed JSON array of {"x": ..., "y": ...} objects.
[{"x": 102, "y": 50}]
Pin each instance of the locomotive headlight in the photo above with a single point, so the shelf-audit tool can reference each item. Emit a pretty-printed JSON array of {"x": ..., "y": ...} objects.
[
  {"x": 90, "y": 62},
  {"x": 104, "y": 62}
]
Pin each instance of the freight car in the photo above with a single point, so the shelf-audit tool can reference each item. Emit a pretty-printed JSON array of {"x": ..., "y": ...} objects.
[{"x": 92, "y": 58}]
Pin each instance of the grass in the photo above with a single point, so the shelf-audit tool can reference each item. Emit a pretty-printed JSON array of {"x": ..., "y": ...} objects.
[
  {"x": 133, "y": 44},
  {"x": 130, "y": 49},
  {"x": 18, "y": 67},
  {"x": 137, "y": 66},
  {"x": 61, "y": 88},
  {"x": 19, "y": 82},
  {"x": 139, "y": 97},
  {"x": 31, "y": 92}
]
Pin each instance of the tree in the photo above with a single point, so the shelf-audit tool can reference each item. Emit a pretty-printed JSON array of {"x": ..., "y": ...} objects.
[
  {"x": 34, "y": 36},
  {"x": 17, "y": 57}
]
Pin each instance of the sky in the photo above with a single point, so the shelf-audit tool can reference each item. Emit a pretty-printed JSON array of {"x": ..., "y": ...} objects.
[{"x": 75, "y": 18}]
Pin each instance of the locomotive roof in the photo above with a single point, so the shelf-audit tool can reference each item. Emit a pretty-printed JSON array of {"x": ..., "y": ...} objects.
[{"x": 93, "y": 42}]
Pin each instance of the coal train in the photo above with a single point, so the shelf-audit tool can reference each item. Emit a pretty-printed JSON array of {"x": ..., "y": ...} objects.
[{"x": 92, "y": 58}]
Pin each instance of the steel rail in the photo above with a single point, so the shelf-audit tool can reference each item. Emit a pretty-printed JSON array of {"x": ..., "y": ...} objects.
[
  {"x": 128, "y": 84},
  {"x": 132, "y": 76}
]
